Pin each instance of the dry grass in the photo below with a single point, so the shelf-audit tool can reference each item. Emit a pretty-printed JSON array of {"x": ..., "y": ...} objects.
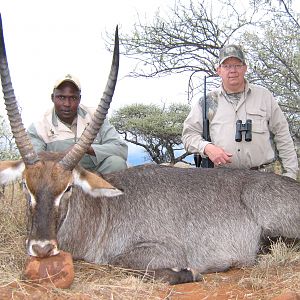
[{"x": 275, "y": 272}]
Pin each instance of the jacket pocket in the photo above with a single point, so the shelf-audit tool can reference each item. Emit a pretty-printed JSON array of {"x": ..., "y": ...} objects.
[{"x": 259, "y": 121}]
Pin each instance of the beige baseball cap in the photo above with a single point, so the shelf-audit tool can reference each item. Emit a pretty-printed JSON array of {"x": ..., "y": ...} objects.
[
  {"x": 69, "y": 78},
  {"x": 231, "y": 51}
]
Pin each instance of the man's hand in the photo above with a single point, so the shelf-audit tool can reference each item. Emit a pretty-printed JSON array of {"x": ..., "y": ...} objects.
[
  {"x": 217, "y": 155},
  {"x": 91, "y": 151}
]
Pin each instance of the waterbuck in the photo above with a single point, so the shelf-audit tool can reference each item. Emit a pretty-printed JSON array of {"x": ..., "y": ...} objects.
[{"x": 177, "y": 222}]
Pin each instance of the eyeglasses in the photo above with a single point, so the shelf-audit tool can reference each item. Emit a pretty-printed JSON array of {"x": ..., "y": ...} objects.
[{"x": 228, "y": 67}]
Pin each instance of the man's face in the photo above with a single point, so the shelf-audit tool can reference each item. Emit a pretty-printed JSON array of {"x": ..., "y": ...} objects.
[
  {"x": 66, "y": 98},
  {"x": 232, "y": 71}
]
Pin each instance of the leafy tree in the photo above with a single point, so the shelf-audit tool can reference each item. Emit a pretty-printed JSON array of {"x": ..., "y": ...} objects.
[
  {"x": 186, "y": 41},
  {"x": 156, "y": 129},
  {"x": 274, "y": 60}
]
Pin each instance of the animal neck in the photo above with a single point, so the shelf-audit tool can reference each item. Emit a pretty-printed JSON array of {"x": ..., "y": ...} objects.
[{"x": 84, "y": 225}]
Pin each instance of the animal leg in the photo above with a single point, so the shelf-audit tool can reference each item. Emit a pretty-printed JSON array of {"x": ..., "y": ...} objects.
[{"x": 156, "y": 261}]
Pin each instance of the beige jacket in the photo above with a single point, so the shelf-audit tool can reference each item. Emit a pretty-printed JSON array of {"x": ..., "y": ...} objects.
[{"x": 268, "y": 121}]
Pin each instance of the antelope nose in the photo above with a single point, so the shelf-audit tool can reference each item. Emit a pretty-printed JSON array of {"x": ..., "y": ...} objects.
[{"x": 43, "y": 251}]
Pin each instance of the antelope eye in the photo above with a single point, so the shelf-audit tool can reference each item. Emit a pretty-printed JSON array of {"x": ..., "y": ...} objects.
[{"x": 69, "y": 188}]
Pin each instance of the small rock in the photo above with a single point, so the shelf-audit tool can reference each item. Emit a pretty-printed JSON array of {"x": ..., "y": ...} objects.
[{"x": 55, "y": 270}]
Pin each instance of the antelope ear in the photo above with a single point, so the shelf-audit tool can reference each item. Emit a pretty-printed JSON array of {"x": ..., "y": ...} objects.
[
  {"x": 93, "y": 184},
  {"x": 11, "y": 170}
]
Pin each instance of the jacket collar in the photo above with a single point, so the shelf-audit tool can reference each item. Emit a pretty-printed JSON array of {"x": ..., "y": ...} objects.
[{"x": 247, "y": 88}]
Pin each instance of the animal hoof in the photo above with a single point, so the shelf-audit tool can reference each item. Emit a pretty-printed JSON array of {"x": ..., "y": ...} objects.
[
  {"x": 177, "y": 276},
  {"x": 197, "y": 276}
]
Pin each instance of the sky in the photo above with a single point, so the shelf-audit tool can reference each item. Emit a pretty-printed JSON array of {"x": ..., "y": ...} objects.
[{"x": 46, "y": 40}]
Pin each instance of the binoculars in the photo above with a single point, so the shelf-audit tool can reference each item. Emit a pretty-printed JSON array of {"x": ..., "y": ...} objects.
[{"x": 240, "y": 127}]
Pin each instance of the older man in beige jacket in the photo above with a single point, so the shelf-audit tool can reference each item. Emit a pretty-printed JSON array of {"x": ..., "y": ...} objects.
[{"x": 237, "y": 99}]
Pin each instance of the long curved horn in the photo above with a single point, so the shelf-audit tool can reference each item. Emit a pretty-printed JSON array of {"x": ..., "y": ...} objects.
[
  {"x": 18, "y": 130},
  {"x": 72, "y": 158}
]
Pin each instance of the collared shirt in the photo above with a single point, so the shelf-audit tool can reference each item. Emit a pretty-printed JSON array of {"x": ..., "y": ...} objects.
[
  {"x": 269, "y": 126},
  {"x": 72, "y": 126}
]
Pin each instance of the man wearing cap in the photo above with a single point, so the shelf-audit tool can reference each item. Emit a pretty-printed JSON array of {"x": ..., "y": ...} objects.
[
  {"x": 235, "y": 109},
  {"x": 62, "y": 126}
]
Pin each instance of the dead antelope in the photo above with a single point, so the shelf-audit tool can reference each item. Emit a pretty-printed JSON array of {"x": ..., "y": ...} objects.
[{"x": 177, "y": 222}]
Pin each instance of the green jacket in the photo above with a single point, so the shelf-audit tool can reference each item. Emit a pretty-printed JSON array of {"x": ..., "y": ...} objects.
[{"x": 50, "y": 134}]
